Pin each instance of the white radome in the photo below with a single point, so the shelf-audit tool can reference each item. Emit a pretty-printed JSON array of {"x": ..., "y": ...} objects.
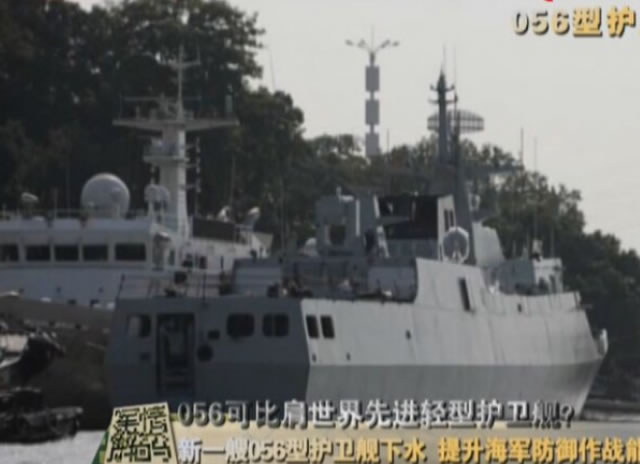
[{"x": 105, "y": 194}]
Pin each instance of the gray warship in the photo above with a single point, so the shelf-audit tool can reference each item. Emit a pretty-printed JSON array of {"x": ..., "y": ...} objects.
[{"x": 396, "y": 297}]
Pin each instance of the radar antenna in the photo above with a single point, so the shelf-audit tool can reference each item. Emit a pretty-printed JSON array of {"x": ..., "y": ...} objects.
[{"x": 168, "y": 152}]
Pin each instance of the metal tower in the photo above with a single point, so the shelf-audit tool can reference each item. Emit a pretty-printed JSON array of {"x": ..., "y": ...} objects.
[
  {"x": 372, "y": 85},
  {"x": 168, "y": 152}
]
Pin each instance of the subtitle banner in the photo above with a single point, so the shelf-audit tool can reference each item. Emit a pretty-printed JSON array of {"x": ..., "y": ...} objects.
[{"x": 200, "y": 433}]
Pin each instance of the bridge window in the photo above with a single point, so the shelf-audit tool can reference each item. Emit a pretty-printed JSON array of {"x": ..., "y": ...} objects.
[
  {"x": 131, "y": 252},
  {"x": 421, "y": 215},
  {"x": 95, "y": 252},
  {"x": 8, "y": 253},
  {"x": 327, "y": 327},
  {"x": 38, "y": 253},
  {"x": 275, "y": 325},
  {"x": 312, "y": 327},
  {"x": 66, "y": 253},
  {"x": 240, "y": 325},
  {"x": 464, "y": 294}
]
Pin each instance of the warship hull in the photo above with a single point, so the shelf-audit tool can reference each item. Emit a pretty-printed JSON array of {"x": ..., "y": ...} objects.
[{"x": 508, "y": 348}]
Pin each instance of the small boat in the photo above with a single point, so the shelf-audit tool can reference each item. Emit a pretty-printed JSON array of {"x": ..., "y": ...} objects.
[
  {"x": 24, "y": 417},
  {"x": 24, "y": 353}
]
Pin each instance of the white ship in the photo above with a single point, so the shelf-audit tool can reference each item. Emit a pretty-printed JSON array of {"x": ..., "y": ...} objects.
[{"x": 66, "y": 269}]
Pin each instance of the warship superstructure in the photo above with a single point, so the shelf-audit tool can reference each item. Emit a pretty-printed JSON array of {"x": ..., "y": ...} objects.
[
  {"x": 397, "y": 297},
  {"x": 66, "y": 269}
]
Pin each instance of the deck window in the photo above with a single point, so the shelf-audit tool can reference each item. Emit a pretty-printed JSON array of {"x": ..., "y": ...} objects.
[
  {"x": 139, "y": 326},
  {"x": 131, "y": 252},
  {"x": 312, "y": 327},
  {"x": 240, "y": 325},
  {"x": 464, "y": 294},
  {"x": 188, "y": 261},
  {"x": 8, "y": 253},
  {"x": 275, "y": 325},
  {"x": 95, "y": 252},
  {"x": 337, "y": 234},
  {"x": 66, "y": 253},
  {"x": 327, "y": 327},
  {"x": 38, "y": 253}
]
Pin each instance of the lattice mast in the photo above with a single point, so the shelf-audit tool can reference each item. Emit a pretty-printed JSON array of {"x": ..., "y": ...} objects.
[{"x": 450, "y": 171}]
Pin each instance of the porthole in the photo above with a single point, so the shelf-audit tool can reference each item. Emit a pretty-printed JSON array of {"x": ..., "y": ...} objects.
[
  {"x": 205, "y": 353},
  {"x": 139, "y": 326}
]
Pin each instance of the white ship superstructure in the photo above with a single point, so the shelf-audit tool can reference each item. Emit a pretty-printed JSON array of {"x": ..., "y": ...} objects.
[
  {"x": 65, "y": 270},
  {"x": 85, "y": 257}
]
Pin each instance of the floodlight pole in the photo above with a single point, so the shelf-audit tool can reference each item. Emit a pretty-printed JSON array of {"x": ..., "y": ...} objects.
[{"x": 372, "y": 85}]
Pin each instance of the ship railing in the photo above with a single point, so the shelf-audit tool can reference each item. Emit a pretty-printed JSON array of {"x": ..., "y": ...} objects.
[
  {"x": 51, "y": 214},
  {"x": 172, "y": 284},
  {"x": 167, "y": 220}
]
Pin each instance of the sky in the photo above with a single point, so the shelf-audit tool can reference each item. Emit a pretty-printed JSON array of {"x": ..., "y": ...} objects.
[{"x": 576, "y": 97}]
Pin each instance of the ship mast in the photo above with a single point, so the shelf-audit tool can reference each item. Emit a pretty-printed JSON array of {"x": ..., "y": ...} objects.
[
  {"x": 449, "y": 168},
  {"x": 168, "y": 153}
]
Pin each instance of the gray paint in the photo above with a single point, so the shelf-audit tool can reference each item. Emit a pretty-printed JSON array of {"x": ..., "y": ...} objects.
[
  {"x": 545, "y": 352},
  {"x": 403, "y": 326}
]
